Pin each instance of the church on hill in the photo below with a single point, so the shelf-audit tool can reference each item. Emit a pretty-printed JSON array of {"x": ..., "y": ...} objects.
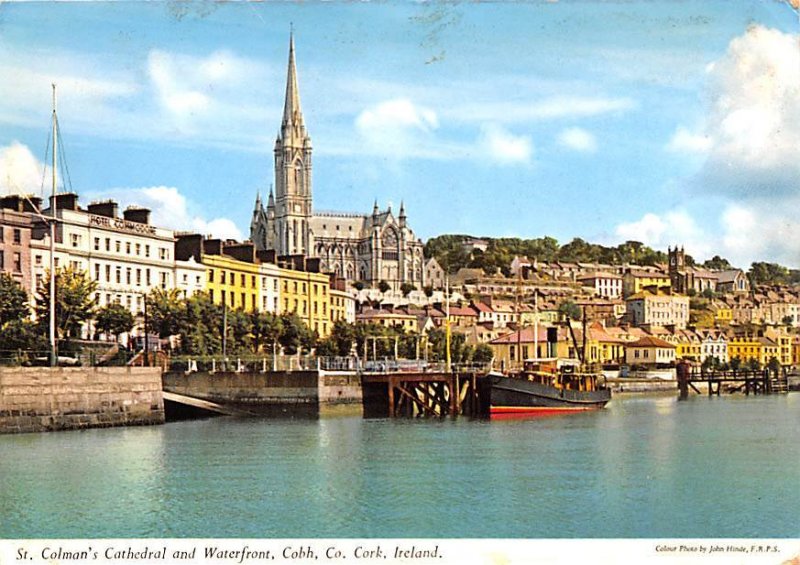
[{"x": 357, "y": 247}]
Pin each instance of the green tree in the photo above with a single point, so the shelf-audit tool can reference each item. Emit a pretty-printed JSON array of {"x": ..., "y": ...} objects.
[
  {"x": 483, "y": 353},
  {"x": 569, "y": 310},
  {"x": 768, "y": 273},
  {"x": 717, "y": 263},
  {"x": 200, "y": 328},
  {"x": 74, "y": 301},
  {"x": 165, "y": 311},
  {"x": 13, "y": 300},
  {"x": 265, "y": 329},
  {"x": 114, "y": 319},
  {"x": 406, "y": 288},
  {"x": 295, "y": 335}
]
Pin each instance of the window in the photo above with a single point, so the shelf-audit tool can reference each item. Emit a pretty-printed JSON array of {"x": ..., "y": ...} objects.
[
  {"x": 138, "y": 248},
  {"x": 74, "y": 238},
  {"x": 129, "y": 301},
  {"x": 97, "y": 272},
  {"x": 17, "y": 262},
  {"x": 243, "y": 301},
  {"x": 75, "y": 265},
  {"x": 128, "y": 247},
  {"x": 119, "y": 275},
  {"x": 128, "y": 275},
  {"x": 1, "y": 258},
  {"x": 18, "y": 236},
  {"x": 38, "y": 259},
  {"x": 223, "y": 296},
  {"x": 1, "y": 234},
  {"x": 211, "y": 275},
  {"x": 211, "y": 294},
  {"x": 304, "y": 288},
  {"x": 253, "y": 281},
  {"x": 295, "y": 287},
  {"x": 108, "y": 273},
  {"x": 162, "y": 254},
  {"x": 118, "y": 246},
  {"x": 97, "y": 244},
  {"x": 241, "y": 278},
  {"x": 164, "y": 280},
  {"x": 185, "y": 279},
  {"x": 138, "y": 277},
  {"x": 108, "y": 244},
  {"x": 147, "y": 251},
  {"x": 147, "y": 277}
]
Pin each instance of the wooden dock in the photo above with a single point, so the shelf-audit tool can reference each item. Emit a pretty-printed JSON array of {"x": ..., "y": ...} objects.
[
  {"x": 425, "y": 395},
  {"x": 732, "y": 381}
]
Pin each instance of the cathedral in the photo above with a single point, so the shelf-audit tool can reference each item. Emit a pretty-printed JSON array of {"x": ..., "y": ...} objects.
[{"x": 357, "y": 247}]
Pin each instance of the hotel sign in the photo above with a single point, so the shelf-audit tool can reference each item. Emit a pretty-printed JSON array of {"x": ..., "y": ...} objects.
[{"x": 121, "y": 225}]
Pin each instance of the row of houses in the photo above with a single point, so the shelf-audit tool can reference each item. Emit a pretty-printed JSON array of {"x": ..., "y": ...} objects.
[
  {"x": 647, "y": 347},
  {"x": 127, "y": 257}
]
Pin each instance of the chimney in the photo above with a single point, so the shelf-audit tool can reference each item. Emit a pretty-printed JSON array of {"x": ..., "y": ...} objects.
[
  {"x": 212, "y": 246},
  {"x": 245, "y": 251},
  {"x": 65, "y": 201},
  {"x": 137, "y": 214},
  {"x": 106, "y": 208},
  {"x": 189, "y": 246},
  {"x": 20, "y": 203}
]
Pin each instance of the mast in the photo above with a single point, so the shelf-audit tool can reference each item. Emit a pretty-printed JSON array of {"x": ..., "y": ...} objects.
[
  {"x": 447, "y": 322},
  {"x": 53, "y": 239},
  {"x": 536, "y": 325}
]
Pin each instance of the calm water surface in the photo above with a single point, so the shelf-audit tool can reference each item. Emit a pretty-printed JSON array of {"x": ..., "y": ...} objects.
[{"x": 643, "y": 467}]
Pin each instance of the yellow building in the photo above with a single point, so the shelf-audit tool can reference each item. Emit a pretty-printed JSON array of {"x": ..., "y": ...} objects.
[
  {"x": 307, "y": 295},
  {"x": 723, "y": 314},
  {"x": 744, "y": 349},
  {"x": 784, "y": 342},
  {"x": 635, "y": 281},
  {"x": 232, "y": 282}
]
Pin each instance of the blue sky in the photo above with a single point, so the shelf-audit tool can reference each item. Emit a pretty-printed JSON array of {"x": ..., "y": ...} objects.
[{"x": 664, "y": 122}]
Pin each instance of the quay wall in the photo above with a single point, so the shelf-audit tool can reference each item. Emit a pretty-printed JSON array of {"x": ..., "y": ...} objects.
[
  {"x": 278, "y": 392},
  {"x": 40, "y": 399}
]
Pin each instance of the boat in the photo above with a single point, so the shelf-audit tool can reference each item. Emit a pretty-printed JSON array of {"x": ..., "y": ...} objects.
[{"x": 542, "y": 390}]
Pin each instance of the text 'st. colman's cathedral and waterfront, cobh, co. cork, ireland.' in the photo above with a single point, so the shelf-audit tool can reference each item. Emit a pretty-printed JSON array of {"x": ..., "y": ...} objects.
[{"x": 332, "y": 376}]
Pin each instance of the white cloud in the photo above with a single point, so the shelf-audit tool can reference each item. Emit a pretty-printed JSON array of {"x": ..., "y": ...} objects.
[
  {"x": 578, "y": 139},
  {"x": 686, "y": 141},
  {"x": 675, "y": 227},
  {"x": 20, "y": 171},
  {"x": 171, "y": 209},
  {"x": 503, "y": 147},
  {"x": 397, "y": 114},
  {"x": 398, "y": 129},
  {"x": 551, "y": 108},
  {"x": 752, "y": 128}
]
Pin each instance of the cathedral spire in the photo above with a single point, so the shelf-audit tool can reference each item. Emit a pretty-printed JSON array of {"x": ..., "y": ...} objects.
[
  {"x": 271, "y": 200},
  {"x": 292, "y": 114}
]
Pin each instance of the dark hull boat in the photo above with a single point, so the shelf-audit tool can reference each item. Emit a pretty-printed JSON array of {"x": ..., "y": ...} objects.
[{"x": 530, "y": 394}]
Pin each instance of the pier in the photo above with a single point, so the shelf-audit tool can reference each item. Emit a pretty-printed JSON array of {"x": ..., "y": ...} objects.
[
  {"x": 425, "y": 394},
  {"x": 731, "y": 381}
]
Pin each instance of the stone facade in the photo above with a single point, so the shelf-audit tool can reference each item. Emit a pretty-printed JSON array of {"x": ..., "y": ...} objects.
[
  {"x": 39, "y": 399},
  {"x": 367, "y": 247},
  {"x": 15, "y": 241}
]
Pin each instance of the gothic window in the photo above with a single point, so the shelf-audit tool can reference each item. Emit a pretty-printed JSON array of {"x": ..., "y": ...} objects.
[
  {"x": 390, "y": 246},
  {"x": 298, "y": 177}
]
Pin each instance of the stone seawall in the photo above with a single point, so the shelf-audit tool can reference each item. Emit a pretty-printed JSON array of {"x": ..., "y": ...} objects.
[
  {"x": 278, "y": 393},
  {"x": 39, "y": 399}
]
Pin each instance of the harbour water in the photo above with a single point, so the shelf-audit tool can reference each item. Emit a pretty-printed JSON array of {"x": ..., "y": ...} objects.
[{"x": 642, "y": 467}]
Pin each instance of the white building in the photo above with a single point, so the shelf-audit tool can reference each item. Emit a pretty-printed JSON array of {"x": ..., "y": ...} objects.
[
  {"x": 190, "y": 277},
  {"x": 607, "y": 285},
  {"x": 126, "y": 256}
]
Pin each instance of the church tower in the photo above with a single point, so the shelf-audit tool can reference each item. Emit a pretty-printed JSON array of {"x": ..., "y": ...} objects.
[{"x": 292, "y": 172}]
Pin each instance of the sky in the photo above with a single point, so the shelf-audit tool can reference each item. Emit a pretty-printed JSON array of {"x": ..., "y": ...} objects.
[{"x": 665, "y": 122}]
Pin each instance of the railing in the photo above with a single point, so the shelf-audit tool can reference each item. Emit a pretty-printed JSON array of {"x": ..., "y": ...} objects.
[{"x": 244, "y": 363}]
